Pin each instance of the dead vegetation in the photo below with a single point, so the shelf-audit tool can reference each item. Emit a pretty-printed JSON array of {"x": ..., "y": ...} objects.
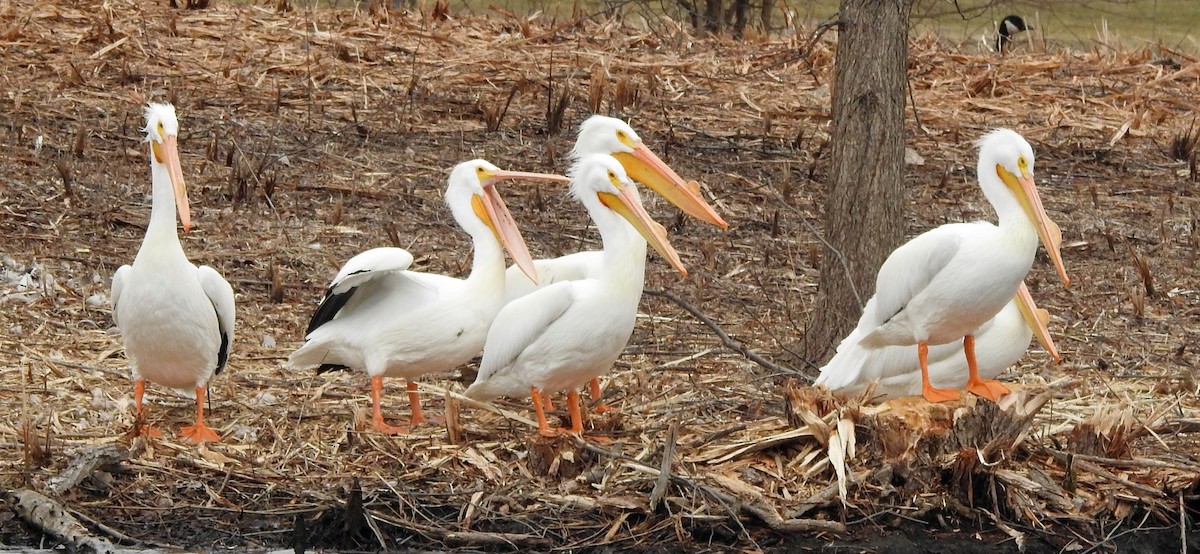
[{"x": 310, "y": 136}]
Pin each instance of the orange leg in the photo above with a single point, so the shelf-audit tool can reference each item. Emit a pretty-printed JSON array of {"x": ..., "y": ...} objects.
[
  {"x": 414, "y": 404},
  {"x": 549, "y": 404},
  {"x": 199, "y": 432},
  {"x": 594, "y": 386},
  {"x": 539, "y": 408},
  {"x": 139, "y": 423},
  {"x": 377, "y": 412},
  {"x": 931, "y": 394},
  {"x": 576, "y": 416},
  {"x": 990, "y": 389}
]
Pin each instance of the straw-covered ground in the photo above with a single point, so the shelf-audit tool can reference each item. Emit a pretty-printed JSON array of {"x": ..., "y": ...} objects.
[{"x": 309, "y": 136}]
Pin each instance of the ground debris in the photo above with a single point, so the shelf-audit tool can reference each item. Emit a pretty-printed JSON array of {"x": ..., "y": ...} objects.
[{"x": 310, "y": 135}]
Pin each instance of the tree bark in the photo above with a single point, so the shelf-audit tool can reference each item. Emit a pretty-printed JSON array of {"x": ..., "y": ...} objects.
[
  {"x": 741, "y": 9},
  {"x": 712, "y": 17},
  {"x": 864, "y": 211},
  {"x": 768, "y": 7}
]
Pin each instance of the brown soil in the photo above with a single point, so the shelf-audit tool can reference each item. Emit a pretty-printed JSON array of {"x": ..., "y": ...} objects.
[{"x": 311, "y": 136}]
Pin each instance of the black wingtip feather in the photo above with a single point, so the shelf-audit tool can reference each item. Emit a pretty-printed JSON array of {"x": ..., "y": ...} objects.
[
  {"x": 329, "y": 308},
  {"x": 222, "y": 354},
  {"x": 326, "y": 368}
]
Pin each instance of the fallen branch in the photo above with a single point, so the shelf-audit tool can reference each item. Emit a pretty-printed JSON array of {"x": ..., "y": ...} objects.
[
  {"x": 44, "y": 513},
  {"x": 85, "y": 464},
  {"x": 728, "y": 341}
]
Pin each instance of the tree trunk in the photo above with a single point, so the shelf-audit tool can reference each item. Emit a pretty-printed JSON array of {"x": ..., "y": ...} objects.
[
  {"x": 864, "y": 211},
  {"x": 712, "y": 16},
  {"x": 740, "y": 10},
  {"x": 768, "y": 7}
]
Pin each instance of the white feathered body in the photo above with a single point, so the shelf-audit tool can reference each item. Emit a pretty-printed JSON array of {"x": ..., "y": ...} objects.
[
  {"x": 947, "y": 282},
  {"x": 999, "y": 343},
  {"x": 570, "y": 267},
  {"x": 175, "y": 318},
  {"x": 562, "y": 335},
  {"x": 401, "y": 323}
]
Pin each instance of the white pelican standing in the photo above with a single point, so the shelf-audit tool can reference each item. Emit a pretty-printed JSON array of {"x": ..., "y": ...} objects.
[
  {"x": 607, "y": 135},
  {"x": 943, "y": 285},
  {"x": 565, "y": 334},
  {"x": 381, "y": 318},
  {"x": 176, "y": 319},
  {"x": 999, "y": 343}
]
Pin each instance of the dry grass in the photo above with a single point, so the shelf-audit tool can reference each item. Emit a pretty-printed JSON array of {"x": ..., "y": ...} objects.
[{"x": 310, "y": 136}]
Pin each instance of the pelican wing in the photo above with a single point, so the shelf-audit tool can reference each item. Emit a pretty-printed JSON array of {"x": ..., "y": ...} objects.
[
  {"x": 114, "y": 294},
  {"x": 520, "y": 323},
  {"x": 571, "y": 267},
  {"x": 368, "y": 265},
  {"x": 221, "y": 295},
  {"x": 911, "y": 267},
  {"x": 359, "y": 270}
]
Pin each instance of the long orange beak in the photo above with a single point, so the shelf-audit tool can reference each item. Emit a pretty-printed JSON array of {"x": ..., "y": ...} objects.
[
  {"x": 168, "y": 155},
  {"x": 1026, "y": 192},
  {"x": 501, "y": 220},
  {"x": 644, "y": 166},
  {"x": 629, "y": 206},
  {"x": 1038, "y": 320}
]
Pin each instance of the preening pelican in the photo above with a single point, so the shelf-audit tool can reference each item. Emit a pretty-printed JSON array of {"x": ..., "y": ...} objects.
[
  {"x": 567, "y": 333},
  {"x": 607, "y": 135},
  {"x": 999, "y": 343},
  {"x": 943, "y": 285},
  {"x": 381, "y": 318},
  {"x": 176, "y": 319}
]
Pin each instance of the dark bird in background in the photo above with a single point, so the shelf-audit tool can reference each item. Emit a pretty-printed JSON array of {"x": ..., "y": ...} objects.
[{"x": 1010, "y": 26}]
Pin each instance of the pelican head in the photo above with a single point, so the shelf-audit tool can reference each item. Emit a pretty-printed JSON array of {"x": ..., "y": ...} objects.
[
  {"x": 1006, "y": 176},
  {"x": 608, "y": 135},
  {"x": 473, "y": 184},
  {"x": 162, "y": 132},
  {"x": 603, "y": 177}
]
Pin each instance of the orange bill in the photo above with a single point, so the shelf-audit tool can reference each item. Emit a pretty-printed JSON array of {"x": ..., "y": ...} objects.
[
  {"x": 1038, "y": 320},
  {"x": 168, "y": 154},
  {"x": 501, "y": 220},
  {"x": 629, "y": 206},
  {"x": 644, "y": 166},
  {"x": 1026, "y": 192}
]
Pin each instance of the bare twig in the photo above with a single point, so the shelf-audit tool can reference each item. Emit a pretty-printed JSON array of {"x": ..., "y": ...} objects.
[{"x": 726, "y": 340}]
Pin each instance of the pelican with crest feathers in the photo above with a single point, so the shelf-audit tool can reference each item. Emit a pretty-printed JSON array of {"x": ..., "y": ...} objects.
[
  {"x": 387, "y": 321},
  {"x": 608, "y": 135},
  {"x": 176, "y": 319},
  {"x": 944, "y": 284},
  {"x": 561, "y": 336}
]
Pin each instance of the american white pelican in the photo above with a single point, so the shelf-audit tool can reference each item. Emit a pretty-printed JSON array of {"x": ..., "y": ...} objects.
[
  {"x": 381, "y": 318},
  {"x": 944, "y": 284},
  {"x": 999, "y": 343},
  {"x": 562, "y": 335},
  {"x": 176, "y": 319},
  {"x": 607, "y": 135}
]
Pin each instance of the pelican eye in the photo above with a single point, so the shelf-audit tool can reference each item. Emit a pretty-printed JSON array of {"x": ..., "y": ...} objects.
[
  {"x": 624, "y": 138},
  {"x": 616, "y": 181},
  {"x": 1023, "y": 165}
]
